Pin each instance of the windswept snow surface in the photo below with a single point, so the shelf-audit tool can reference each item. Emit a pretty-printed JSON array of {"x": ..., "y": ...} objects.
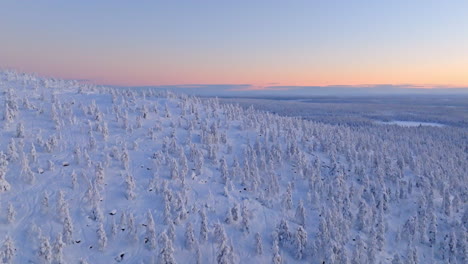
[
  {"x": 107, "y": 175},
  {"x": 410, "y": 123}
]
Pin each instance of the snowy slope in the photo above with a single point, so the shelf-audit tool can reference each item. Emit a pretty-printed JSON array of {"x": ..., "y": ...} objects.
[{"x": 107, "y": 175}]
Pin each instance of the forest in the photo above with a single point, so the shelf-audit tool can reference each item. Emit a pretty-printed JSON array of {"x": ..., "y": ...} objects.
[{"x": 96, "y": 174}]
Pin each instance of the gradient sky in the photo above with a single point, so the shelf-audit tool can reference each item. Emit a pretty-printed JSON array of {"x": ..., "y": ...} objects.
[{"x": 262, "y": 43}]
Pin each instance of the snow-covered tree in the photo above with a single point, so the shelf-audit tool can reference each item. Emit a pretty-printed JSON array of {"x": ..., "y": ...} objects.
[
  {"x": 130, "y": 187},
  {"x": 20, "y": 130},
  {"x": 174, "y": 169},
  {"x": 396, "y": 259},
  {"x": 4, "y": 185},
  {"x": 166, "y": 254},
  {"x": 219, "y": 233},
  {"x": 67, "y": 230},
  {"x": 189, "y": 236},
  {"x": 258, "y": 244},
  {"x": 447, "y": 203},
  {"x": 77, "y": 154},
  {"x": 45, "y": 201},
  {"x": 287, "y": 198},
  {"x": 245, "y": 214},
  {"x": 171, "y": 230},
  {"x": 432, "y": 230},
  {"x": 362, "y": 217},
  {"x": 300, "y": 213},
  {"x": 12, "y": 152},
  {"x": 74, "y": 179},
  {"x": 225, "y": 254},
  {"x": 284, "y": 235},
  {"x": 45, "y": 250},
  {"x": 229, "y": 219},
  {"x": 150, "y": 231},
  {"x": 102, "y": 237},
  {"x": 11, "y": 213},
  {"x": 123, "y": 221},
  {"x": 167, "y": 209},
  {"x": 33, "y": 153},
  {"x": 301, "y": 242},
  {"x": 100, "y": 174},
  {"x": 203, "y": 226},
  {"x": 26, "y": 171},
  {"x": 235, "y": 212},
  {"x": 8, "y": 250},
  {"x": 114, "y": 228},
  {"x": 59, "y": 245},
  {"x": 277, "y": 259}
]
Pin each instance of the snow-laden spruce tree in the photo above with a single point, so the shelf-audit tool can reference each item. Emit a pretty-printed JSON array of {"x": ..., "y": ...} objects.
[
  {"x": 300, "y": 242},
  {"x": 225, "y": 253},
  {"x": 130, "y": 186},
  {"x": 125, "y": 159},
  {"x": 229, "y": 219},
  {"x": 203, "y": 226},
  {"x": 235, "y": 212},
  {"x": 12, "y": 153},
  {"x": 8, "y": 113},
  {"x": 132, "y": 227},
  {"x": 26, "y": 171},
  {"x": 277, "y": 259},
  {"x": 174, "y": 169},
  {"x": 59, "y": 245},
  {"x": 114, "y": 228},
  {"x": 20, "y": 130},
  {"x": 67, "y": 230},
  {"x": 123, "y": 224},
  {"x": 45, "y": 249},
  {"x": 11, "y": 213},
  {"x": 362, "y": 217},
  {"x": 447, "y": 203},
  {"x": 99, "y": 174},
  {"x": 189, "y": 237},
  {"x": 183, "y": 171},
  {"x": 245, "y": 215},
  {"x": 300, "y": 213},
  {"x": 258, "y": 244},
  {"x": 4, "y": 185},
  {"x": 180, "y": 208},
  {"x": 171, "y": 230},
  {"x": 150, "y": 231},
  {"x": 166, "y": 254},
  {"x": 62, "y": 206},
  {"x": 287, "y": 198},
  {"x": 7, "y": 253},
  {"x": 96, "y": 211},
  {"x": 167, "y": 208},
  {"x": 199, "y": 163},
  {"x": 77, "y": 154},
  {"x": 284, "y": 235},
  {"x": 219, "y": 233},
  {"x": 74, "y": 180},
  {"x": 102, "y": 237}
]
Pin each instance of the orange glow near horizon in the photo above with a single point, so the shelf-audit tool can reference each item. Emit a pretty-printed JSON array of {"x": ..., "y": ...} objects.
[
  {"x": 256, "y": 78},
  {"x": 127, "y": 68}
]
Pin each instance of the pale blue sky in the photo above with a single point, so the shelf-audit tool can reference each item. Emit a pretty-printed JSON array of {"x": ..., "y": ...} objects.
[{"x": 239, "y": 42}]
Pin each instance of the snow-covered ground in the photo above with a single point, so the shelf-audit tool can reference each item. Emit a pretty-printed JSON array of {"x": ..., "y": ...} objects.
[
  {"x": 410, "y": 123},
  {"x": 108, "y": 175}
]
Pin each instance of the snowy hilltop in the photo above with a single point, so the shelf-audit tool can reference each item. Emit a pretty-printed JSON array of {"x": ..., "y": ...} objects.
[{"x": 112, "y": 175}]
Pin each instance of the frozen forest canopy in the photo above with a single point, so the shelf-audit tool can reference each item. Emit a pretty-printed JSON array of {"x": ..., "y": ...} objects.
[
  {"x": 358, "y": 110},
  {"x": 92, "y": 174}
]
